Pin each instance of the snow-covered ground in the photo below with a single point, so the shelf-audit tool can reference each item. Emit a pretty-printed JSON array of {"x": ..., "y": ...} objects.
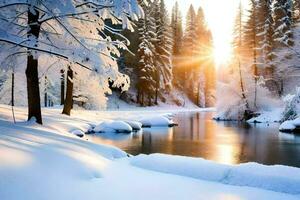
[{"x": 50, "y": 162}]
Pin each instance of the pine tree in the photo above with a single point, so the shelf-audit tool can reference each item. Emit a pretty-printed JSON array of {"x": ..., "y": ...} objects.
[
  {"x": 266, "y": 41},
  {"x": 146, "y": 83},
  {"x": 190, "y": 51},
  {"x": 238, "y": 51},
  {"x": 282, "y": 11},
  {"x": 177, "y": 36},
  {"x": 250, "y": 40},
  {"x": 265, "y": 31},
  {"x": 163, "y": 49}
]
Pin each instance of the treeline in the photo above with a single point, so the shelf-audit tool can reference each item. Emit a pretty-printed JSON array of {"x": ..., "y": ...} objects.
[
  {"x": 266, "y": 55},
  {"x": 167, "y": 57}
]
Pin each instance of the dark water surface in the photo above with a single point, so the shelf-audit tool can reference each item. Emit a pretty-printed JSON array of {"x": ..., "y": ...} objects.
[{"x": 199, "y": 136}]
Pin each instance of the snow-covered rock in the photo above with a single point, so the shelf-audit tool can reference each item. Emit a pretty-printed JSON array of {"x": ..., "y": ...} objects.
[
  {"x": 276, "y": 178},
  {"x": 287, "y": 126},
  {"x": 170, "y": 116},
  {"x": 135, "y": 125},
  {"x": 267, "y": 116},
  {"x": 155, "y": 121},
  {"x": 78, "y": 133},
  {"x": 296, "y": 122},
  {"x": 113, "y": 126}
]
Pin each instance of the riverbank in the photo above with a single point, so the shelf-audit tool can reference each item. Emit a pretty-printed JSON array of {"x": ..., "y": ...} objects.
[{"x": 48, "y": 162}]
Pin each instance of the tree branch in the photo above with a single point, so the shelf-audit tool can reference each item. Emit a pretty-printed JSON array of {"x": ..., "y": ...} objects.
[{"x": 44, "y": 51}]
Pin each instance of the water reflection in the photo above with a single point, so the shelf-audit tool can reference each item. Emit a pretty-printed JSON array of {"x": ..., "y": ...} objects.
[{"x": 225, "y": 142}]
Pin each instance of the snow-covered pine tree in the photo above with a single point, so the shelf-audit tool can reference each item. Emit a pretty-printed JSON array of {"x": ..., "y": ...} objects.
[
  {"x": 250, "y": 39},
  {"x": 238, "y": 48},
  {"x": 190, "y": 51},
  {"x": 177, "y": 36},
  {"x": 146, "y": 83},
  {"x": 163, "y": 49},
  {"x": 266, "y": 41},
  {"x": 238, "y": 53},
  {"x": 284, "y": 39},
  {"x": 265, "y": 32},
  {"x": 282, "y": 14},
  {"x": 204, "y": 69}
]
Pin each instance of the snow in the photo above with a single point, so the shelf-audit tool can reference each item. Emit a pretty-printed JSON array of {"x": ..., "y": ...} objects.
[
  {"x": 287, "y": 126},
  {"x": 135, "y": 125},
  {"x": 277, "y": 178},
  {"x": 113, "y": 126},
  {"x": 296, "y": 121},
  {"x": 290, "y": 125},
  {"x": 78, "y": 133},
  {"x": 49, "y": 162},
  {"x": 156, "y": 121},
  {"x": 274, "y": 115}
]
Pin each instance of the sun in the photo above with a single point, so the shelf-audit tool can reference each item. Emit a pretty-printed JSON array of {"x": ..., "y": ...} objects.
[
  {"x": 221, "y": 53},
  {"x": 220, "y": 16}
]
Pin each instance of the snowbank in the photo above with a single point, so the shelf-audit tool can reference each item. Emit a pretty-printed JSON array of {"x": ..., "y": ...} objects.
[
  {"x": 156, "y": 121},
  {"x": 268, "y": 116},
  {"x": 276, "y": 178},
  {"x": 113, "y": 126},
  {"x": 47, "y": 162},
  {"x": 290, "y": 125},
  {"x": 287, "y": 126}
]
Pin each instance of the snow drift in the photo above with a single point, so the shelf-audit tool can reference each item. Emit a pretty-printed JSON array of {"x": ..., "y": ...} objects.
[
  {"x": 156, "y": 121},
  {"x": 113, "y": 126},
  {"x": 276, "y": 178},
  {"x": 290, "y": 125}
]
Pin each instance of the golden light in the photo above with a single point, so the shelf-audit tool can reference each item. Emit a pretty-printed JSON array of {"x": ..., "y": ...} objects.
[{"x": 220, "y": 17}]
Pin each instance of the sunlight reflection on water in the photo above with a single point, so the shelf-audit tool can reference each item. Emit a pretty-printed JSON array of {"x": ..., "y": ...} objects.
[{"x": 199, "y": 136}]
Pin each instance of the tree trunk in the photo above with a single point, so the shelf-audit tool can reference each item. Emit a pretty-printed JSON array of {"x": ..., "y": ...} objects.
[
  {"x": 157, "y": 87},
  {"x": 13, "y": 88},
  {"x": 242, "y": 86},
  {"x": 33, "y": 90},
  {"x": 13, "y": 95},
  {"x": 62, "y": 87},
  {"x": 69, "y": 94},
  {"x": 255, "y": 60},
  {"x": 198, "y": 95},
  {"x": 45, "y": 93}
]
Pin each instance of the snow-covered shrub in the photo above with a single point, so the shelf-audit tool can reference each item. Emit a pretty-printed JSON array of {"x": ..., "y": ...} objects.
[
  {"x": 230, "y": 103},
  {"x": 292, "y": 106}
]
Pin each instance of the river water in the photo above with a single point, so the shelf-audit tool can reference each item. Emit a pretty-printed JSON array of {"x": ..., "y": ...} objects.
[{"x": 198, "y": 135}]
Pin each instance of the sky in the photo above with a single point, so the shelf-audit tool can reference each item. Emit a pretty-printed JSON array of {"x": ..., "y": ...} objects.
[{"x": 220, "y": 16}]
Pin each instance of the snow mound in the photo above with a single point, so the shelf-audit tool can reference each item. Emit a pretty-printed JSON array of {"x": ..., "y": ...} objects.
[
  {"x": 78, "y": 133},
  {"x": 135, "y": 125},
  {"x": 296, "y": 122},
  {"x": 170, "y": 116},
  {"x": 290, "y": 125},
  {"x": 113, "y": 126},
  {"x": 267, "y": 116},
  {"x": 155, "y": 121},
  {"x": 287, "y": 126},
  {"x": 275, "y": 178}
]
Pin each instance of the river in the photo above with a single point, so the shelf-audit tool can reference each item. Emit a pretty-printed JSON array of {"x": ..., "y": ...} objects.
[{"x": 197, "y": 135}]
